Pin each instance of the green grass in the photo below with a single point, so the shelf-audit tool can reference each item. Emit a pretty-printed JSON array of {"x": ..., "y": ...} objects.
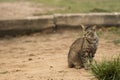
[
  {"x": 83, "y": 6},
  {"x": 107, "y": 70},
  {"x": 7, "y": 0},
  {"x": 110, "y": 33},
  {"x": 114, "y": 30},
  {"x": 99, "y": 33},
  {"x": 116, "y": 41},
  {"x": 79, "y": 6}
]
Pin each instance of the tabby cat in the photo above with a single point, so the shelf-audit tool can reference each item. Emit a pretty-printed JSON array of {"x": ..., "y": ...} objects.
[{"x": 83, "y": 49}]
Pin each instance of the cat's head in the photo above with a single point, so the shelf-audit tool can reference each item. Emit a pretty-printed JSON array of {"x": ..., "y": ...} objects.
[{"x": 89, "y": 31}]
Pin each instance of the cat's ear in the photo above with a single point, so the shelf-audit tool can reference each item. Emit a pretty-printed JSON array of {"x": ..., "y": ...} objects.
[
  {"x": 83, "y": 27},
  {"x": 94, "y": 27}
]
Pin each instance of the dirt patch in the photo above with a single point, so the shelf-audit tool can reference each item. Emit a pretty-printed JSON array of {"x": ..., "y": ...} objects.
[
  {"x": 21, "y": 9},
  {"x": 44, "y": 57}
]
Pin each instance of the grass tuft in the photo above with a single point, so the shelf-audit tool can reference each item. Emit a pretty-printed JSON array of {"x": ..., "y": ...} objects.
[
  {"x": 115, "y": 30},
  {"x": 116, "y": 42},
  {"x": 107, "y": 70}
]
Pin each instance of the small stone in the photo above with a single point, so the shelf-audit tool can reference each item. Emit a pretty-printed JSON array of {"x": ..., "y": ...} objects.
[
  {"x": 30, "y": 59},
  {"x": 51, "y": 66}
]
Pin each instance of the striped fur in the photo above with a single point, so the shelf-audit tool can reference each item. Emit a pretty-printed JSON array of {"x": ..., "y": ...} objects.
[{"x": 83, "y": 49}]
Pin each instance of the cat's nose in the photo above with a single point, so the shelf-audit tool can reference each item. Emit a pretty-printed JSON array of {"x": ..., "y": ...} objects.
[{"x": 84, "y": 36}]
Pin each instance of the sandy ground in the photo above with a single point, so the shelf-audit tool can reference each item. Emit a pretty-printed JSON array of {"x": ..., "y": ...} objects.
[
  {"x": 44, "y": 56},
  {"x": 22, "y": 9}
]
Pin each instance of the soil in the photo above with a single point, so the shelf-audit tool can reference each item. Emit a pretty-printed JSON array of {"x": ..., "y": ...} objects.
[
  {"x": 22, "y": 9},
  {"x": 44, "y": 56}
]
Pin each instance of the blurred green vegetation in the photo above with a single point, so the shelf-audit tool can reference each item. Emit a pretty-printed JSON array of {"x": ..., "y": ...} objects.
[
  {"x": 79, "y": 6},
  {"x": 114, "y": 30},
  {"x": 110, "y": 33},
  {"x": 7, "y": 0},
  {"x": 116, "y": 41},
  {"x": 84, "y": 5}
]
